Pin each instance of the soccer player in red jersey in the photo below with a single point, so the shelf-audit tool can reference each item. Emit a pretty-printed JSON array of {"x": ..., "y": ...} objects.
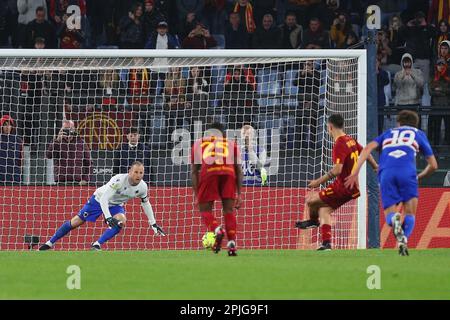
[
  {"x": 321, "y": 204},
  {"x": 217, "y": 175}
]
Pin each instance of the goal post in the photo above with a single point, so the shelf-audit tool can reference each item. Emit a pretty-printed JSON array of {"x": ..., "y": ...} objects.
[{"x": 169, "y": 96}]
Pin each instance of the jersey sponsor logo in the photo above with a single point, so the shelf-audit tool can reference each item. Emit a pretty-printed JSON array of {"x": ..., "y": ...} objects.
[{"x": 397, "y": 153}]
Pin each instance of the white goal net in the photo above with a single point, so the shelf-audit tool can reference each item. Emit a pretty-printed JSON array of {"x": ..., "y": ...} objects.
[{"x": 100, "y": 103}]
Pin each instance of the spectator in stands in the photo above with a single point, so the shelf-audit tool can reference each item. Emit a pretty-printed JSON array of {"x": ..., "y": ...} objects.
[
  {"x": 196, "y": 83},
  {"x": 10, "y": 152},
  {"x": 131, "y": 29},
  {"x": 303, "y": 9},
  {"x": 444, "y": 49},
  {"x": 308, "y": 82},
  {"x": 71, "y": 155},
  {"x": 245, "y": 10},
  {"x": 240, "y": 78},
  {"x": 199, "y": 38},
  {"x": 40, "y": 27},
  {"x": 39, "y": 43},
  {"x": 267, "y": 37},
  {"x": 383, "y": 48},
  {"x": 189, "y": 6},
  {"x": 161, "y": 39},
  {"x": 187, "y": 26},
  {"x": 214, "y": 16},
  {"x": 27, "y": 14},
  {"x": 419, "y": 36},
  {"x": 236, "y": 35},
  {"x": 408, "y": 83},
  {"x": 350, "y": 40},
  {"x": 340, "y": 29},
  {"x": 440, "y": 97},
  {"x": 152, "y": 17},
  {"x": 291, "y": 32},
  {"x": 442, "y": 34},
  {"x": 263, "y": 7},
  {"x": 175, "y": 88},
  {"x": 315, "y": 37},
  {"x": 72, "y": 37},
  {"x": 395, "y": 35},
  {"x": 130, "y": 151},
  {"x": 109, "y": 92},
  {"x": 69, "y": 38},
  {"x": 382, "y": 81},
  {"x": 438, "y": 10},
  {"x": 8, "y": 23},
  {"x": 138, "y": 85}
]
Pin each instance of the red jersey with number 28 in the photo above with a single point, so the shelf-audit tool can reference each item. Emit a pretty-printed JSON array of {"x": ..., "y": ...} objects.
[
  {"x": 346, "y": 151},
  {"x": 216, "y": 155}
]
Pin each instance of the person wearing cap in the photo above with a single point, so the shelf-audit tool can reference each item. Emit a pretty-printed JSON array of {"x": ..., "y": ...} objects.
[
  {"x": 440, "y": 93},
  {"x": 10, "y": 152},
  {"x": 408, "y": 83},
  {"x": 161, "y": 39}
]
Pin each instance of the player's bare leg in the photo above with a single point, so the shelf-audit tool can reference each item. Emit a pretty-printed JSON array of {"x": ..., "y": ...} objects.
[
  {"x": 312, "y": 206},
  {"x": 110, "y": 232},
  {"x": 65, "y": 228},
  {"x": 325, "y": 227},
  {"x": 229, "y": 215},
  {"x": 409, "y": 220}
]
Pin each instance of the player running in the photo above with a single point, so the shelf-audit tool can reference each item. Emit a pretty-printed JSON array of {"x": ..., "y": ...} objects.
[
  {"x": 217, "y": 175},
  {"x": 397, "y": 175},
  {"x": 321, "y": 204},
  {"x": 109, "y": 200}
]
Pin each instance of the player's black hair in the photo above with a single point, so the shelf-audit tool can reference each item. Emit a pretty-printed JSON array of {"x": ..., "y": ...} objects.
[
  {"x": 40, "y": 8},
  {"x": 133, "y": 130},
  {"x": 336, "y": 120},
  {"x": 408, "y": 118},
  {"x": 216, "y": 126}
]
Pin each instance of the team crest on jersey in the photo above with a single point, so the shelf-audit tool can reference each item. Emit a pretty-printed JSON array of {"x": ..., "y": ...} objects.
[{"x": 397, "y": 153}]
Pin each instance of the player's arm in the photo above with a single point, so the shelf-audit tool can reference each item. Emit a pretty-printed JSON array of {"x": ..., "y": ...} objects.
[
  {"x": 352, "y": 179},
  {"x": 372, "y": 162},
  {"x": 104, "y": 204},
  {"x": 429, "y": 169},
  {"x": 195, "y": 169},
  {"x": 333, "y": 173},
  {"x": 148, "y": 210}
]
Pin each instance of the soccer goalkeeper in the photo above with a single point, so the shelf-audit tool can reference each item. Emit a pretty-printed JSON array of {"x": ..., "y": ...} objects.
[
  {"x": 253, "y": 159},
  {"x": 109, "y": 200}
]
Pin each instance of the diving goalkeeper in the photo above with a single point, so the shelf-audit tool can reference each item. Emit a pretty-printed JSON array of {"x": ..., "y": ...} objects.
[{"x": 109, "y": 200}]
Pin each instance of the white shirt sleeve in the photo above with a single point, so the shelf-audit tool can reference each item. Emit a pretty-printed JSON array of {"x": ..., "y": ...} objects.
[{"x": 147, "y": 207}]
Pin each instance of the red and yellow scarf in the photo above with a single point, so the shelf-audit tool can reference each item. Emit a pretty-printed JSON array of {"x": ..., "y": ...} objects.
[{"x": 249, "y": 20}]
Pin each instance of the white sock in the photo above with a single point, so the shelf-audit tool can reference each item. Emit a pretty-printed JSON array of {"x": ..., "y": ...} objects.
[
  {"x": 49, "y": 244},
  {"x": 96, "y": 244}
]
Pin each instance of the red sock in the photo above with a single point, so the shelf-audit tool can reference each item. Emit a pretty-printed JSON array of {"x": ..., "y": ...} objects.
[
  {"x": 325, "y": 230},
  {"x": 230, "y": 225},
  {"x": 209, "y": 220}
]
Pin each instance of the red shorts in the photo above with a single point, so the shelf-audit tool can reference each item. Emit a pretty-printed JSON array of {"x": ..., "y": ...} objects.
[
  {"x": 217, "y": 187},
  {"x": 335, "y": 195}
]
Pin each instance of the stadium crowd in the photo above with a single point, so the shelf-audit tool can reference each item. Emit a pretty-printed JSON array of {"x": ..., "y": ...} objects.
[{"x": 412, "y": 56}]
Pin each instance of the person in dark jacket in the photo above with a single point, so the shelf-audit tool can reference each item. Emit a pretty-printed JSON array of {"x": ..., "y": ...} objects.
[
  {"x": 132, "y": 29},
  {"x": 199, "y": 38},
  {"x": 236, "y": 35},
  {"x": 10, "y": 152},
  {"x": 131, "y": 151},
  {"x": 71, "y": 155},
  {"x": 291, "y": 32},
  {"x": 267, "y": 37},
  {"x": 42, "y": 28},
  {"x": 315, "y": 37}
]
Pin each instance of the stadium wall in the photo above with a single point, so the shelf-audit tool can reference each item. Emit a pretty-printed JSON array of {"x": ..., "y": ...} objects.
[{"x": 38, "y": 211}]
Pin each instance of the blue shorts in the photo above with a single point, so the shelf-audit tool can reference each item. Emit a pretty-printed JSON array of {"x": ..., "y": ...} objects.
[
  {"x": 397, "y": 186},
  {"x": 92, "y": 210}
]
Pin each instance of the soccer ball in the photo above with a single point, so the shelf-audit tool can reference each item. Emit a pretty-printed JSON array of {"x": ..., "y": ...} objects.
[{"x": 208, "y": 240}]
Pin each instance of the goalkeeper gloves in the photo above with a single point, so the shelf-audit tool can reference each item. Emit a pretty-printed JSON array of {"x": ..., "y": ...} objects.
[
  {"x": 113, "y": 222},
  {"x": 158, "y": 230},
  {"x": 263, "y": 176}
]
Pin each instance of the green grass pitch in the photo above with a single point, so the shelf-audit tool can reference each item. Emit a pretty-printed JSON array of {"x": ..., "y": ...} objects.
[{"x": 254, "y": 274}]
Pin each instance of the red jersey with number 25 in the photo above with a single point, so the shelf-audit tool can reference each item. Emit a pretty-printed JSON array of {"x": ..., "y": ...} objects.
[
  {"x": 216, "y": 155},
  {"x": 346, "y": 151}
]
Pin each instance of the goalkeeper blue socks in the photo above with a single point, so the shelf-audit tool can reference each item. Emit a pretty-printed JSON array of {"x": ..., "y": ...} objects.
[
  {"x": 61, "y": 232},
  {"x": 389, "y": 218},
  {"x": 408, "y": 224},
  {"x": 108, "y": 234}
]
